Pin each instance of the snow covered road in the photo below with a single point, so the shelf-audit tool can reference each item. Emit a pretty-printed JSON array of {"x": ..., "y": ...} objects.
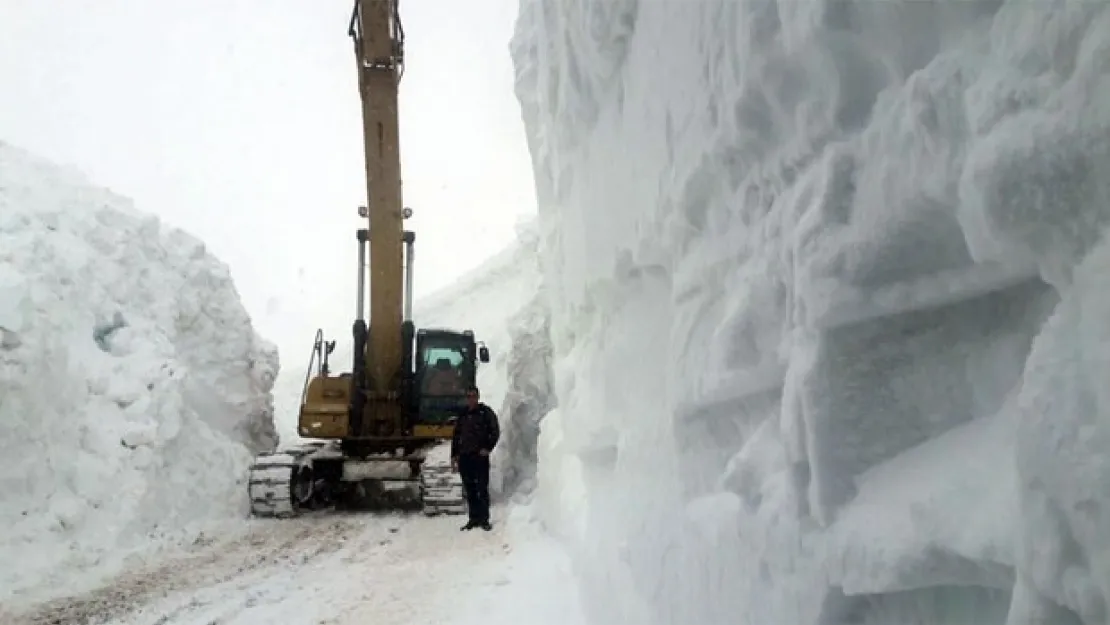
[{"x": 336, "y": 569}]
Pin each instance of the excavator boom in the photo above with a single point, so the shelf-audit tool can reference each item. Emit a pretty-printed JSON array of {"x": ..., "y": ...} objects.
[{"x": 379, "y": 53}]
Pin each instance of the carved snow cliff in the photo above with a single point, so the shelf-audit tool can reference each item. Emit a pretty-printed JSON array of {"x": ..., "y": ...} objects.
[
  {"x": 822, "y": 349},
  {"x": 133, "y": 389}
]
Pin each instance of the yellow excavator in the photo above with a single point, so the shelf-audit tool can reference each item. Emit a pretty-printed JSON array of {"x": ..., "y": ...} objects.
[{"x": 379, "y": 435}]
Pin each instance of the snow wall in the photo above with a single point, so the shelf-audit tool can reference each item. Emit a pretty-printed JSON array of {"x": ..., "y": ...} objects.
[
  {"x": 828, "y": 307},
  {"x": 133, "y": 389}
]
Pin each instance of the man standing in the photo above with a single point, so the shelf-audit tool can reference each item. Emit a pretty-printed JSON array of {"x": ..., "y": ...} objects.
[{"x": 476, "y": 434}]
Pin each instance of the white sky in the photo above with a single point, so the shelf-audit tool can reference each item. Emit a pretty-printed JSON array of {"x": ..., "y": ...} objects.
[{"x": 239, "y": 121}]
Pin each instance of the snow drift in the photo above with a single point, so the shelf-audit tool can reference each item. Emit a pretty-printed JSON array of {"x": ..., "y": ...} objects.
[
  {"x": 133, "y": 390},
  {"x": 827, "y": 326}
]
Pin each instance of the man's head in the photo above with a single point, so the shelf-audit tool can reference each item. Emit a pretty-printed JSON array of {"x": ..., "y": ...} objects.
[{"x": 472, "y": 396}]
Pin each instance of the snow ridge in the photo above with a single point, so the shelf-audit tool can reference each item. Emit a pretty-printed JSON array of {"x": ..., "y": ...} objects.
[
  {"x": 809, "y": 268},
  {"x": 133, "y": 389}
]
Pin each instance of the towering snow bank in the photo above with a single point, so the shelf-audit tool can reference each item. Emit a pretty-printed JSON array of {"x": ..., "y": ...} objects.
[
  {"x": 799, "y": 255},
  {"x": 133, "y": 390}
]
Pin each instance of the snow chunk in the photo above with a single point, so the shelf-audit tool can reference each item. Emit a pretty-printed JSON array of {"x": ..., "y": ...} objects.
[
  {"x": 1063, "y": 437},
  {"x": 133, "y": 389}
]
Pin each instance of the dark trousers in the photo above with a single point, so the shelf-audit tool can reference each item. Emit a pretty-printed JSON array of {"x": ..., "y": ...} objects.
[{"x": 474, "y": 471}]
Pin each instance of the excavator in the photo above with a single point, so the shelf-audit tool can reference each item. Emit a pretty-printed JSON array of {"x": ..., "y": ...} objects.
[{"x": 379, "y": 435}]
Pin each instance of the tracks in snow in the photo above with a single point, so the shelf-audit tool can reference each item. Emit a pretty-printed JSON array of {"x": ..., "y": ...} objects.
[
  {"x": 328, "y": 568},
  {"x": 263, "y": 545}
]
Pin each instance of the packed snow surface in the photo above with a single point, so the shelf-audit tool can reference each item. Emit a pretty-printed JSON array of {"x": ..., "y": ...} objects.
[
  {"x": 827, "y": 307},
  {"x": 340, "y": 569},
  {"x": 133, "y": 390}
]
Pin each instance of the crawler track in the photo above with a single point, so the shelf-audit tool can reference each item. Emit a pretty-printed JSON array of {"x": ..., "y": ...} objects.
[
  {"x": 283, "y": 483},
  {"x": 441, "y": 489}
]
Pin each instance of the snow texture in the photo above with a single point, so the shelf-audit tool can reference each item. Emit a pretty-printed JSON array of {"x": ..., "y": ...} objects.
[
  {"x": 827, "y": 307},
  {"x": 314, "y": 569},
  {"x": 133, "y": 389}
]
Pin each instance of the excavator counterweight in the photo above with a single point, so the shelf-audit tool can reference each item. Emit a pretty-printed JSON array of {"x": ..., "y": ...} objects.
[{"x": 378, "y": 435}]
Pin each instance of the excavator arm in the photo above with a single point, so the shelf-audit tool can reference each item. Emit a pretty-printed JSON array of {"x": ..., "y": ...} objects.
[{"x": 382, "y": 350}]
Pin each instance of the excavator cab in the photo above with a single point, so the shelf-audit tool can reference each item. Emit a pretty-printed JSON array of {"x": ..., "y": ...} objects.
[{"x": 446, "y": 365}]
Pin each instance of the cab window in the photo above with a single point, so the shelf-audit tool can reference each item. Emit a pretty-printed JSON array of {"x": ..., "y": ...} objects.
[
  {"x": 433, "y": 355},
  {"x": 443, "y": 371}
]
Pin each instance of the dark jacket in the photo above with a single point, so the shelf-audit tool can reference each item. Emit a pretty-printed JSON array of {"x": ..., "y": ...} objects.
[{"x": 475, "y": 430}]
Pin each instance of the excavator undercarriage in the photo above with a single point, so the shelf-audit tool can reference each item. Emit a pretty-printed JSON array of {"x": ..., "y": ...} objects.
[
  {"x": 409, "y": 471},
  {"x": 317, "y": 475},
  {"x": 379, "y": 435}
]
